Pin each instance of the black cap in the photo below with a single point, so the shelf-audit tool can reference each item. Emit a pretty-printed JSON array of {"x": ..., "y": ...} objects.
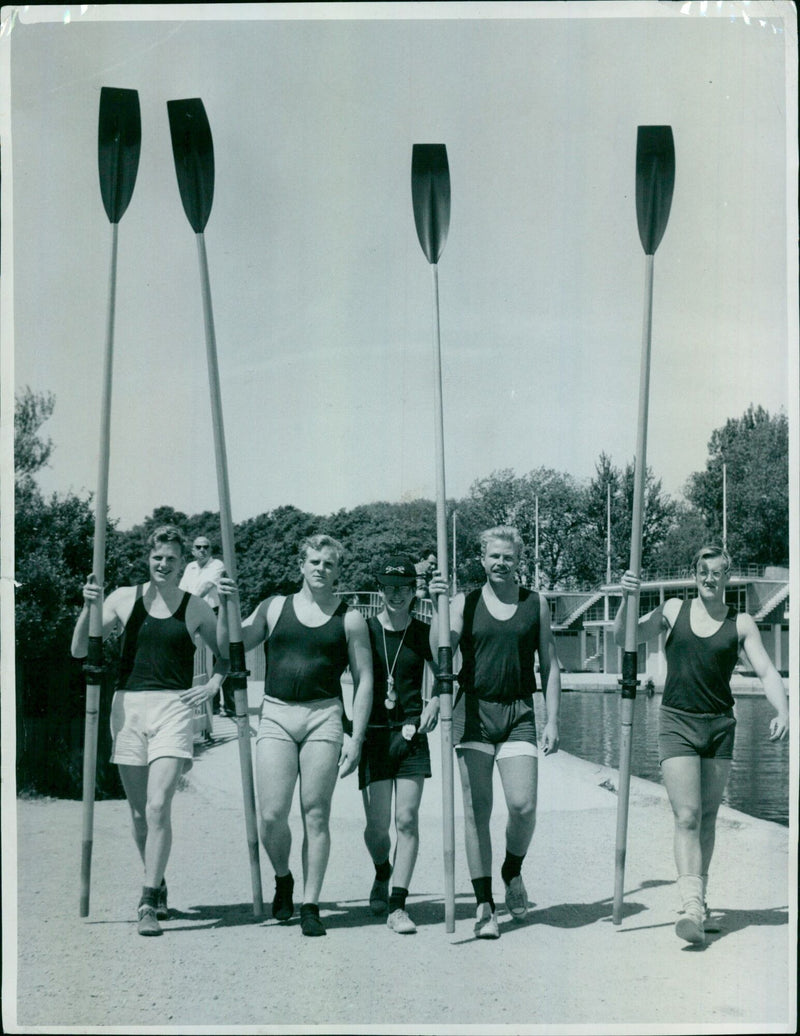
[{"x": 397, "y": 571}]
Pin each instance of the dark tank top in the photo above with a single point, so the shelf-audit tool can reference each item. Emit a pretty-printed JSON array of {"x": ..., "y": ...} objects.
[
  {"x": 407, "y": 655},
  {"x": 157, "y": 654},
  {"x": 699, "y": 668},
  {"x": 305, "y": 663},
  {"x": 499, "y": 654}
]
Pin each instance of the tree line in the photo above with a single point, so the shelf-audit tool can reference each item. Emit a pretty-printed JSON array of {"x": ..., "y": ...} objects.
[{"x": 53, "y": 536}]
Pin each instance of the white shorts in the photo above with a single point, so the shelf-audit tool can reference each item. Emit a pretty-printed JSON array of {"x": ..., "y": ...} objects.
[
  {"x": 502, "y": 750},
  {"x": 149, "y": 725},
  {"x": 301, "y": 721}
]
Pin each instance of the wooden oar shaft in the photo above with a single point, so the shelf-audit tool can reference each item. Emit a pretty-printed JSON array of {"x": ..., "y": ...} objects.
[
  {"x": 238, "y": 679},
  {"x": 445, "y": 659},
  {"x": 95, "y": 657},
  {"x": 629, "y": 668}
]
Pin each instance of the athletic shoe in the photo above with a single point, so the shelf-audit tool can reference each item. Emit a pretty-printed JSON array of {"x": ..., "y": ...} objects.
[
  {"x": 283, "y": 904},
  {"x": 379, "y": 897},
  {"x": 148, "y": 923},
  {"x": 690, "y": 928},
  {"x": 517, "y": 899},
  {"x": 162, "y": 910},
  {"x": 486, "y": 926},
  {"x": 310, "y": 922},
  {"x": 400, "y": 922}
]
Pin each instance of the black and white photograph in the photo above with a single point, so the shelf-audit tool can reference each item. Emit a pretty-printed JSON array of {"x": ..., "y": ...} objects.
[{"x": 399, "y": 412}]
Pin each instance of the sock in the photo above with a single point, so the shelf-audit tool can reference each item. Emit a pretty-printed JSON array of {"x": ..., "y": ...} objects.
[
  {"x": 397, "y": 900},
  {"x": 483, "y": 891},
  {"x": 285, "y": 882},
  {"x": 383, "y": 871},
  {"x": 149, "y": 896},
  {"x": 512, "y": 865}
]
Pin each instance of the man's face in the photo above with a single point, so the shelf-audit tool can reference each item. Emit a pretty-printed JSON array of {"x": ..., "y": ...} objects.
[
  {"x": 320, "y": 569},
  {"x": 165, "y": 564},
  {"x": 500, "y": 560},
  {"x": 201, "y": 551},
  {"x": 711, "y": 576}
]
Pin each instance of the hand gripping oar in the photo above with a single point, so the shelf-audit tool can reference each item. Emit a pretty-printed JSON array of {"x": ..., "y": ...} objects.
[
  {"x": 193, "y": 151},
  {"x": 119, "y": 140},
  {"x": 430, "y": 193},
  {"x": 655, "y": 178}
]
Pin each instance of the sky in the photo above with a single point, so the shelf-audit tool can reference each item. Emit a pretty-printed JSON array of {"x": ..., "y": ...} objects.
[{"x": 322, "y": 297}]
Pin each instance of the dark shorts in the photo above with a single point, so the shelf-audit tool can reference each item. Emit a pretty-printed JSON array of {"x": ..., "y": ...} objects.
[
  {"x": 493, "y": 722},
  {"x": 708, "y": 735},
  {"x": 387, "y": 755}
]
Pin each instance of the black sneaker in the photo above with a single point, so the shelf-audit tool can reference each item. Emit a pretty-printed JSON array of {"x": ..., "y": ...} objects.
[
  {"x": 162, "y": 910},
  {"x": 310, "y": 922},
  {"x": 283, "y": 904}
]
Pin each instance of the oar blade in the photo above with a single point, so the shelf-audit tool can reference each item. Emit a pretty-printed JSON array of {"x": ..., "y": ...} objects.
[
  {"x": 119, "y": 142},
  {"x": 655, "y": 179},
  {"x": 193, "y": 151},
  {"x": 430, "y": 194}
]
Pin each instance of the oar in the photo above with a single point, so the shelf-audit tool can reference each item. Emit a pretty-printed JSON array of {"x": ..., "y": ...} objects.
[
  {"x": 430, "y": 193},
  {"x": 119, "y": 139},
  {"x": 193, "y": 151},
  {"x": 655, "y": 178}
]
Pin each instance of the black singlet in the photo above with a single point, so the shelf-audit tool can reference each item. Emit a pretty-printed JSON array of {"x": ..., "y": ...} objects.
[
  {"x": 305, "y": 663},
  {"x": 699, "y": 668},
  {"x": 407, "y": 672},
  {"x": 499, "y": 654},
  {"x": 157, "y": 654}
]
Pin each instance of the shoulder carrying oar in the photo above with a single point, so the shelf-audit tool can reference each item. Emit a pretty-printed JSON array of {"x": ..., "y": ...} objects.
[
  {"x": 430, "y": 193},
  {"x": 655, "y": 178},
  {"x": 193, "y": 151},
  {"x": 119, "y": 140}
]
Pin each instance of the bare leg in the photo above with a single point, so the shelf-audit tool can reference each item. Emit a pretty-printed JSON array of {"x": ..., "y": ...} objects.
[
  {"x": 377, "y": 798},
  {"x": 713, "y": 776},
  {"x": 682, "y": 779},
  {"x": 134, "y": 781},
  {"x": 519, "y": 776},
  {"x": 408, "y": 795},
  {"x": 476, "y": 770},
  {"x": 159, "y": 781},
  {"x": 276, "y": 776},
  {"x": 318, "y": 769}
]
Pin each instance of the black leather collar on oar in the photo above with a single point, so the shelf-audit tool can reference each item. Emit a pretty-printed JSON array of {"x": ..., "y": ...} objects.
[
  {"x": 655, "y": 179},
  {"x": 430, "y": 194},
  {"x": 193, "y": 151},
  {"x": 119, "y": 139}
]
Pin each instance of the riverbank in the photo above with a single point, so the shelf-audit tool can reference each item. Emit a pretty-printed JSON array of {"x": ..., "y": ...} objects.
[{"x": 566, "y": 965}]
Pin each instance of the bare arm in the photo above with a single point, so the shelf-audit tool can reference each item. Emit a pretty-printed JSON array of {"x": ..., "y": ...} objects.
[
  {"x": 650, "y": 625},
  {"x": 551, "y": 677},
  {"x": 769, "y": 676},
  {"x": 437, "y": 587},
  {"x": 254, "y": 627},
  {"x": 360, "y": 657},
  {"x": 112, "y": 606}
]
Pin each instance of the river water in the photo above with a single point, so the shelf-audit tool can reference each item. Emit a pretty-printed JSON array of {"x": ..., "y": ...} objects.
[{"x": 759, "y": 780}]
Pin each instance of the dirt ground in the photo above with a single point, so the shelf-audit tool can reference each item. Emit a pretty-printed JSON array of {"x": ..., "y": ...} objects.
[{"x": 566, "y": 965}]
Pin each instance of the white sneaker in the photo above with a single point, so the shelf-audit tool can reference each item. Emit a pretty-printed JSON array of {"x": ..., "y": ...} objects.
[
  {"x": 517, "y": 899},
  {"x": 400, "y": 922},
  {"x": 690, "y": 927},
  {"x": 486, "y": 926}
]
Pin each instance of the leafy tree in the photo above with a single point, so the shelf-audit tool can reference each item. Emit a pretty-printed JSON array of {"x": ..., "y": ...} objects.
[
  {"x": 31, "y": 451},
  {"x": 755, "y": 451}
]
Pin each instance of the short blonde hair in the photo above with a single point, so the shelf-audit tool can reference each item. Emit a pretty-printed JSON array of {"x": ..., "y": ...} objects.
[
  {"x": 711, "y": 550},
  {"x": 321, "y": 542},
  {"x": 506, "y": 533}
]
